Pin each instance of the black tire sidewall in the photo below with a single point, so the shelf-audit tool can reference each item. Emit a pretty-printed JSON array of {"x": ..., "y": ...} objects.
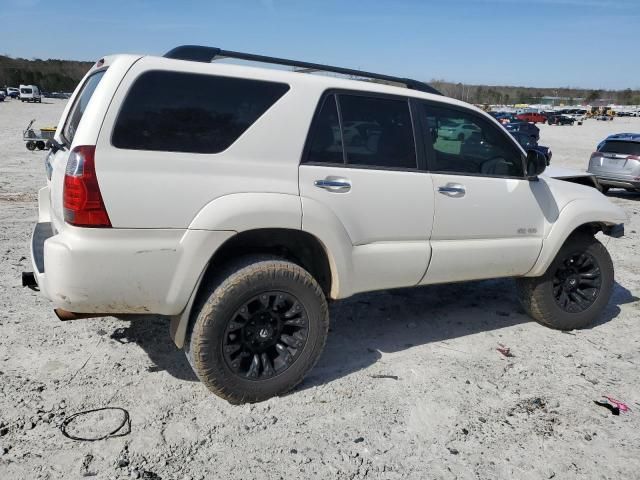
[
  {"x": 226, "y": 299},
  {"x": 561, "y": 319}
]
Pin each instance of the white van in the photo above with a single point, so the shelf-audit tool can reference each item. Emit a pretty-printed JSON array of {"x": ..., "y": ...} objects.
[{"x": 30, "y": 93}]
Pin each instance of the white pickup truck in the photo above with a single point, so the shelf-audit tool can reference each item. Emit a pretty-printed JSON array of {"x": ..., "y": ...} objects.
[{"x": 241, "y": 206}]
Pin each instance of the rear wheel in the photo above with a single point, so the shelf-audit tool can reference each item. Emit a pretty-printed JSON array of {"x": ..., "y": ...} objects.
[
  {"x": 259, "y": 330},
  {"x": 31, "y": 145},
  {"x": 575, "y": 288}
]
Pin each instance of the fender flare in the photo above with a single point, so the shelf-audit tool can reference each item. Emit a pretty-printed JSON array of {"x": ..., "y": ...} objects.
[
  {"x": 249, "y": 211},
  {"x": 243, "y": 212},
  {"x": 575, "y": 214}
]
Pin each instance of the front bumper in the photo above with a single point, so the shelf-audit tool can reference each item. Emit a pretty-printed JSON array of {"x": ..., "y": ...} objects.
[{"x": 615, "y": 231}]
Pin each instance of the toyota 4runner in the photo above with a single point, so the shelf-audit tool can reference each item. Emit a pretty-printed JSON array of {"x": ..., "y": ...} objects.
[{"x": 239, "y": 200}]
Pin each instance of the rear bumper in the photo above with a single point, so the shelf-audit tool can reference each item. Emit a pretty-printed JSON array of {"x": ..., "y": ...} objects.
[
  {"x": 120, "y": 271},
  {"x": 622, "y": 181}
]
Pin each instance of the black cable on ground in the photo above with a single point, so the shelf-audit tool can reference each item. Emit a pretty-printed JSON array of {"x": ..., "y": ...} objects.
[{"x": 126, "y": 422}]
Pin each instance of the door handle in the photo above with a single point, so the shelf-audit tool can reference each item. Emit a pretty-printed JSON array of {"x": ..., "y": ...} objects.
[
  {"x": 453, "y": 190},
  {"x": 334, "y": 184}
]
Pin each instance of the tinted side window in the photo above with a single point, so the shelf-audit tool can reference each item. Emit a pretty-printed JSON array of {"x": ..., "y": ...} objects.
[
  {"x": 186, "y": 112},
  {"x": 325, "y": 138},
  {"x": 466, "y": 143},
  {"x": 377, "y": 132}
]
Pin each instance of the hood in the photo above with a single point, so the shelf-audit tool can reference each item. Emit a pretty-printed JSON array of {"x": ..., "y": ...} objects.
[{"x": 562, "y": 172}]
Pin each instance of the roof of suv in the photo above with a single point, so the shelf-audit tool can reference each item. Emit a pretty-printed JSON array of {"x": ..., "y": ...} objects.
[{"x": 625, "y": 137}]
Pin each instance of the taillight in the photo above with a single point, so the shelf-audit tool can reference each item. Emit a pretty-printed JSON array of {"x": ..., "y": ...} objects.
[{"x": 82, "y": 201}]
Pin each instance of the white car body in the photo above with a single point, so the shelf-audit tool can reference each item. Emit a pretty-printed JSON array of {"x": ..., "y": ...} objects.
[{"x": 170, "y": 212}]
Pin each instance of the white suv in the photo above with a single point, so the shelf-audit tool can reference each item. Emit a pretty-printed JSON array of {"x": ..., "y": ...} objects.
[{"x": 240, "y": 205}]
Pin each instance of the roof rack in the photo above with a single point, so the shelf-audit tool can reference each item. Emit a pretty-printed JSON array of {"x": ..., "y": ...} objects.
[{"x": 197, "y": 53}]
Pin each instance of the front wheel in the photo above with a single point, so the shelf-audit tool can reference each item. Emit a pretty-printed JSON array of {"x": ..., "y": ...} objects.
[
  {"x": 575, "y": 288},
  {"x": 258, "y": 330}
]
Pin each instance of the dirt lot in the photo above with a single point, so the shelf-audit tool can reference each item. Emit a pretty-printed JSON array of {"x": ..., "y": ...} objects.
[{"x": 452, "y": 406}]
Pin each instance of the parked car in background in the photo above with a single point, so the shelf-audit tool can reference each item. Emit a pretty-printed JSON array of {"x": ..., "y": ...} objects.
[
  {"x": 604, "y": 117},
  {"x": 532, "y": 117},
  {"x": 524, "y": 127},
  {"x": 579, "y": 115},
  {"x": 616, "y": 162},
  {"x": 30, "y": 93},
  {"x": 503, "y": 117},
  {"x": 13, "y": 92},
  {"x": 477, "y": 146},
  {"x": 528, "y": 143},
  {"x": 456, "y": 131},
  {"x": 2, "y": 95},
  {"x": 560, "y": 119}
]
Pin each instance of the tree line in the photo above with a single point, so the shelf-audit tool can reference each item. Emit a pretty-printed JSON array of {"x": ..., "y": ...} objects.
[
  {"x": 63, "y": 75},
  {"x": 50, "y": 75},
  {"x": 507, "y": 95}
]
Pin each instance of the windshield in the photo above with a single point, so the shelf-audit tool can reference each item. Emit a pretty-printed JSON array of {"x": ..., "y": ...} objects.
[
  {"x": 617, "y": 146},
  {"x": 80, "y": 105}
]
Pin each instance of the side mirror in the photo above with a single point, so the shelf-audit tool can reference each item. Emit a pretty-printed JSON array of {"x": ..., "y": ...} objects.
[{"x": 536, "y": 163}]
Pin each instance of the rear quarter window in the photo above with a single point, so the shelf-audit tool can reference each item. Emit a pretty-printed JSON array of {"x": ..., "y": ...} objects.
[
  {"x": 188, "y": 112},
  {"x": 80, "y": 105}
]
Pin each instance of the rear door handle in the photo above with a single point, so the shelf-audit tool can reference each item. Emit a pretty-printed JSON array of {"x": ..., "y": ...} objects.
[
  {"x": 454, "y": 190},
  {"x": 334, "y": 184}
]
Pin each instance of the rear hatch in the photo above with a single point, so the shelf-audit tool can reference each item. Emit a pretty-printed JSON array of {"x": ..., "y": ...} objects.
[
  {"x": 617, "y": 157},
  {"x": 80, "y": 123}
]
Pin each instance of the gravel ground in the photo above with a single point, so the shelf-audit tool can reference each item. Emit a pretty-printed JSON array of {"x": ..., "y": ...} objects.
[{"x": 410, "y": 385}]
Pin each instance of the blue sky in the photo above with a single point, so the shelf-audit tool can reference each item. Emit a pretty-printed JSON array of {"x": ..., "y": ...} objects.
[{"x": 554, "y": 43}]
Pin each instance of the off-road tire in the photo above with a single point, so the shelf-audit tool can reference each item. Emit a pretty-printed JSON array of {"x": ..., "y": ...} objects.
[
  {"x": 223, "y": 296},
  {"x": 536, "y": 293}
]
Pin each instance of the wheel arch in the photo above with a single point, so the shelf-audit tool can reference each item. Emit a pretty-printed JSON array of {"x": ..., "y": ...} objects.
[
  {"x": 297, "y": 246},
  {"x": 578, "y": 217}
]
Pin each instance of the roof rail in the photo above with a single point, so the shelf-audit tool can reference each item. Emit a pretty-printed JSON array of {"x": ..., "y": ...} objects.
[{"x": 196, "y": 53}]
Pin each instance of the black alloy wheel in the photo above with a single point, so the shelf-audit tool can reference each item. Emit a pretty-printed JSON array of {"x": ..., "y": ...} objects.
[
  {"x": 265, "y": 336},
  {"x": 577, "y": 282}
]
